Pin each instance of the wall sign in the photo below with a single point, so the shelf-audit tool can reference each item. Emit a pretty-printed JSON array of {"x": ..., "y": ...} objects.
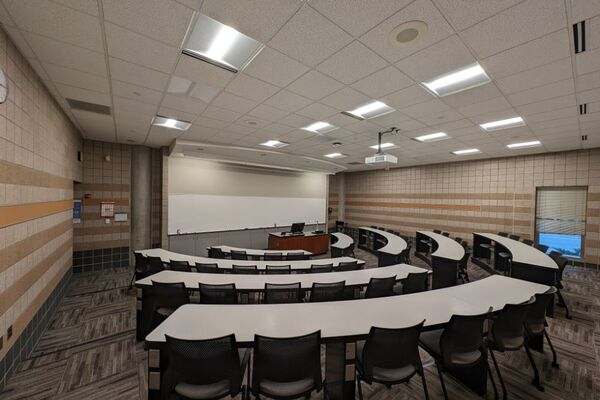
[
  {"x": 107, "y": 209},
  {"x": 76, "y": 211},
  {"x": 121, "y": 217}
]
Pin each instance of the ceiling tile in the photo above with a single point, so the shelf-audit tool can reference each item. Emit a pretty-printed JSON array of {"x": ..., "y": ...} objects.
[
  {"x": 465, "y": 13},
  {"x": 134, "y": 92},
  {"x": 548, "y": 105},
  {"x": 472, "y": 96},
  {"x": 433, "y": 118},
  {"x": 309, "y": 37},
  {"x": 211, "y": 123},
  {"x": 583, "y": 9},
  {"x": 478, "y": 108},
  {"x": 176, "y": 113},
  {"x": 251, "y": 88},
  {"x": 86, "y": 6},
  {"x": 199, "y": 71},
  {"x": 314, "y": 85},
  {"x": 551, "y": 115},
  {"x": 352, "y": 63},
  {"x": 90, "y": 96},
  {"x": 163, "y": 20},
  {"x": 268, "y": 113},
  {"x": 234, "y": 103},
  {"x": 545, "y": 92},
  {"x": 296, "y": 121},
  {"x": 221, "y": 114},
  {"x": 19, "y": 41},
  {"x": 383, "y": 82},
  {"x": 317, "y": 111},
  {"x": 420, "y": 10},
  {"x": 125, "y": 104},
  {"x": 76, "y": 78},
  {"x": 139, "y": 49},
  {"x": 588, "y": 61},
  {"x": 137, "y": 75},
  {"x": 183, "y": 103},
  {"x": 345, "y": 99},
  {"x": 589, "y": 96},
  {"x": 288, "y": 101},
  {"x": 552, "y": 72},
  {"x": 276, "y": 68},
  {"x": 405, "y": 97}
]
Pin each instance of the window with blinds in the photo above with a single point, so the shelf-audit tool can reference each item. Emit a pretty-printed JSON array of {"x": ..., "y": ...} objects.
[{"x": 560, "y": 219}]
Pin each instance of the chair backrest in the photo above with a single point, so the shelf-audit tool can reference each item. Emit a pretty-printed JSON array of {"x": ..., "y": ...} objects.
[
  {"x": 464, "y": 262},
  {"x": 215, "y": 252},
  {"x": 203, "y": 362},
  {"x": 541, "y": 247},
  {"x": 508, "y": 329},
  {"x": 562, "y": 263},
  {"x": 218, "y": 294},
  {"x": 415, "y": 282},
  {"x": 333, "y": 291},
  {"x": 503, "y": 234},
  {"x": 461, "y": 341},
  {"x": 404, "y": 255},
  {"x": 514, "y": 237},
  {"x": 446, "y": 234},
  {"x": 209, "y": 268},
  {"x": 287, "y": 360},
  {"x": 296, "y": 256},
  {"x": 169, "y": 295},
  {"x": 535, "y": 320},
  {"x": 278, "y": 269},
  {"x": 437, "y": 231},
  {"x": 238, "y": 255},
  {"x": 444, "y": 272},
  {"x": 555, "y": 254},
  {"x": 277, "y": 293},
  {"x": 244, "y": 269},
  {"x": 155, "y": 265},
  {"x": 321, "y": 267},
  {"x": 183, "y": 266},
  {"x": 273, "y": 256},
  {"x": 391, "y": 349},
  {"x": 141, "y": 262},
  {"x": 380, "y": 287},
  {"x": 347, "y": 266},
  {"x": 458, "y": 240},
  {"x": 528, "y": 242}
]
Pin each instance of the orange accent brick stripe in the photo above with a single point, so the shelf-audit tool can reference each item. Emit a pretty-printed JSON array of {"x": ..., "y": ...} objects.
[
  {"x": 15, "y": 174},
  {"x": 443, "y": 196},
  {"x": 415, "y": 205},
  {"x": 10, "y": 215}
]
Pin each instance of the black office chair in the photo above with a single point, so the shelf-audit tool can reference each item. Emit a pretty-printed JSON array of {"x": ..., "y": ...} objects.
[
  {"x": 203, "y": 369},
  {"x": 458, "y": 240},
  {"x": 514, "y": 237},
  {"x": 296, "y": 256},
  {"x": 244, "y": 269},
  {"x": 460, "y": 344},
  {"x": 562, "y": 263},
  {"x": 238, "y": 255},
  {"x": 504, "y": 262},
  {"x": 182, "y": 266},
  {"x": 447, "y": 234},
  {"x": 334, "y": 291},
  {"x": 380, "y": 287},
  {"x": 286, "y": 368},
  {"x": 347, "y": 266},
  {"x": 535, "y": 327},
  {"x": 463, "y": 268},
  {"x": 541, "y": 247},
  {"x": 164, "y": 299},
  {"x": 528, "y": 242},
  {"x": 444, "y": 272},
  {"x": 503, "y": 234},
  {"x": 507, "y": 333},
  {"x": 141, "y": 268},
  {"x": 390, "y": 357},
  {"x": 216, "y": 252},
  {"x": 155, "y": 265},
  {"x": 279, "y": 293},
  {"x": 437, "y": 231},
  {"x": 404, "y": 256},
  {"x": 555, "y": 255},
  {"x": 415, "y": 282},
  {"x": 209, "y": 268},
  {"x": 318, "y": 268},
  {"x": 278, "y": 269},
  {"x": 273, "y": 257},
  {"x": 349, "y": 251},
  {"x": 218, "y": 294}
]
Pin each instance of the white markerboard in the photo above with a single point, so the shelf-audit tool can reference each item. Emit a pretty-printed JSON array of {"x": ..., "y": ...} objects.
[{"x": 190, "y": 213}]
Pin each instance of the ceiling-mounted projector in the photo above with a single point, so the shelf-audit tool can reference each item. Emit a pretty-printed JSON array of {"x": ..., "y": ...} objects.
[{"x": 380, "y": 157}]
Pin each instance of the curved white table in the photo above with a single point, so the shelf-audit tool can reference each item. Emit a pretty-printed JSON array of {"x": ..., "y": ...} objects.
[
  {"x": 446, "y": 248},
  {"x": 389, "y": 252},
  {"x": 342, "y": 243},
  {"x": 258, "y": 252},
  {"x": 299, "y": 265},
  {"x": 339, "y": 322}
]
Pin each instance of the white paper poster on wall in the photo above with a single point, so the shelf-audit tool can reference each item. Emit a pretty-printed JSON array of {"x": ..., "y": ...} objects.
[{"x": 189, "y": 213}]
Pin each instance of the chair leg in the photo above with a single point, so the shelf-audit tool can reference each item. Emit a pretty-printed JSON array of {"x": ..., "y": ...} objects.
[
  {"x": 536, "y": 374},
  {"x": 441, "y": 380},
  {"x": 131, "y": 282},
  {"x": 504, "y": 395},
  {"x": 562, "y": 302},
  {"x": 554, "y": 357},
  {"x": 422, "y": 372}
]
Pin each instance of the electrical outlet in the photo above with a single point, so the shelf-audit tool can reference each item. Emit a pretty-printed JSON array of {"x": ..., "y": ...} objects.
[{"x": 9, "y": 332}]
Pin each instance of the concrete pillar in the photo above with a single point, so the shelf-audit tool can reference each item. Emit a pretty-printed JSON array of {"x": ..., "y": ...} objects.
[
  {"x": 141, "y": 198},
  {"x": 342, "y": 197}
]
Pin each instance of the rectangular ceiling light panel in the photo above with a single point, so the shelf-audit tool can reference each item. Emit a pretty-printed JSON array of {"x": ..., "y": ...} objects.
[
  {"x": 220, "y": 44},
  {"x": 171, "y": 123},
  {"x": 432, "y": 137},
  {"x": 456, "y": 81},
  {"x": 466, "y": 152},
  {"x": 320, "y": 127},
  {"x": 335, "y": 155},
  {"x": 503, "y": 124},
  {"x": 274, "y": 143},
  {"x": 370, "y": 110},
  {"x": 524, "y": 145},
  {"x": 383, "y": 146}
]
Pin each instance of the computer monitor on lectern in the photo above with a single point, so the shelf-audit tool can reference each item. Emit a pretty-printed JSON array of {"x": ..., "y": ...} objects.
[{"x": 297, "y": 227}]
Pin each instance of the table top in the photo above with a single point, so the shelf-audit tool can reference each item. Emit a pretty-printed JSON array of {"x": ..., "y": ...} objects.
[
  {"x": 447, "y": 248},
  {"x": 167, "y": 256},
  {"x": 343, "y": 319},
  {"x": 304, "y": 234},
  {"x": 259, "y": 252},
  {"x": 344, "y": 241},
  {"x": 395, "y": 244},
  {"x": 521, "y": 252},
  {"x": 257, "y": 282}
]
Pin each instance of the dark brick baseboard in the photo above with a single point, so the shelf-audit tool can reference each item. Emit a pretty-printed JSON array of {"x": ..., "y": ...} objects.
[{"x": 99, "y": 259}]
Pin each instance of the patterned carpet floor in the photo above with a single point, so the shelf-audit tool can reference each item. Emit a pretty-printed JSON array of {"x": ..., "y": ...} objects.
[{"x": 89, "y": 349}]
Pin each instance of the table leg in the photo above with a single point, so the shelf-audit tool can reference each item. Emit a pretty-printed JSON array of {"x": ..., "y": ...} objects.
[{"x": 339, "y": 370}]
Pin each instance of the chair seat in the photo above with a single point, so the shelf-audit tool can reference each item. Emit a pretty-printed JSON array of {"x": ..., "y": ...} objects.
[
  {"x": 384, "y": 374},
  {"x": 536, "y": 329},
  {"x": 165, "y": 312},
  {"x": 514, "y": 343},
  {"x": 430, "y": 341},
  {"x": 286, "y": 389},
  {"x": 504, "y": 254},
  {"x": 210, "y": 391},
  {"x": 486, "y": 245}
]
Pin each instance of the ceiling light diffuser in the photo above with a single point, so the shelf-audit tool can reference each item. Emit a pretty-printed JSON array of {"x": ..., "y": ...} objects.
[
  {"x": 456, "y": 81},
  {"x": 219, "y": 44},
  {"x": 432, "y": 137},
  {"x": 466, "y": 152},
  {"x": 370, "y": 110},
  {"x": 274, "y": 143},
  {"x": 320, "y": 127},
  {"x": 503, "y": 124},
  {"x": 383, "y": 146},
  {"x": 523, "y": 145},
  {"x": 335, "y": 155},
  {"x": 171, "y": 123}
]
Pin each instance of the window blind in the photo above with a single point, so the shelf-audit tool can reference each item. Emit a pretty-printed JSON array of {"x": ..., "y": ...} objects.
[{"x": 561, "y": 210}]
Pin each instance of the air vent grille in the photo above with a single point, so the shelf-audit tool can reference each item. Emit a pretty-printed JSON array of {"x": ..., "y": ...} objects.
[
  {"x": 89, "y": 107},
  {"x": 579, "y": 37},
  {"x": 583, "y": 138},
  {"x": 582, "y": 109}
]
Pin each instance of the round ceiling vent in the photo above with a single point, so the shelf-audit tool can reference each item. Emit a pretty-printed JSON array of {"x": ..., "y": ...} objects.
[{"x": 406, "y": 33}]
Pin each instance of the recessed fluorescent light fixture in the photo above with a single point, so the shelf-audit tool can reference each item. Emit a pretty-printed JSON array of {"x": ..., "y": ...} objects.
[
  {"x": 456, "y": 81},
  {"x": 466, "y": 152},
  {"x": 320, "y": 127},
  {"x": 274, "y": 143},
  {"x": 219, "y": 44},
  {"x": 171, "y": 123},
  {"x": 523, "y": 145},
  {"x": 503, "y": 124},
  {"x": 383, "y": 146},
  {"x": 335, "y": 155},
  {"x": 370, "y": 110},
  {"x": 432, "y": 137}
]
